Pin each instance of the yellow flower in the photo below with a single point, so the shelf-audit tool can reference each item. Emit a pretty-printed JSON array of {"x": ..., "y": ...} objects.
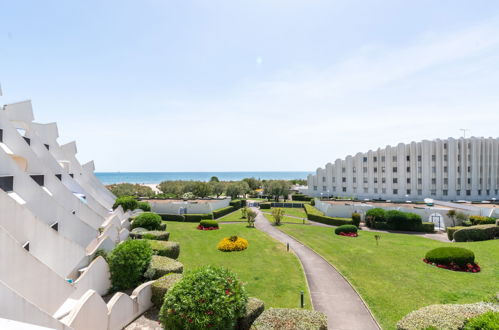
[{"x": 230, "y": 244}]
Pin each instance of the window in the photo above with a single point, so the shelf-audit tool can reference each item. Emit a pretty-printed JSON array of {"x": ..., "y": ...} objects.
[
  {"x": 469, "y": 169},
  {"x": 382, "y": 158},
  {"x": 419, "y": 158},
  {"x": 395, "y": 191},
  {"x": 458, "y": 180},
  {"x": 433, "y": 192},
  {"x": 375, "y": 190},
  {"x": 433, "y": 158},
  {"x": 433, "y": 169},
  {"x": 468, "y": 192},
  {"x": 408, "y": 191},
  {"x": 375, "y": 170},
  {"x": 408, "y": 180},
  {"x": 354, "y": 170},
  {"x": 445, "y": 145},
  {"x": 420, "y": 181},
  {"x": 1, "y": 135},
  {"x": 383, "y": 169},
  {"x": 383, "y": 180},
  {"x": 420, "y": 192},
  {"x": 479, "y": 192},
  {"x": 334, "y": 188},
  {"x": 458, "y": 158},
  {"x": 433, "y": 181},
  {"x": 344, "y": 189},
  {"x": 408, "y": 169},
  {"x": 408, "y": 158},
  {"x": 394, "y": 170},
  {"x": 26, "y": 246},
  {"x": 420, "y": 169},
  {"x": 383, "y": 190},
  {"x": 395, "y": 180},
  {"x": 394, "y": 158},
  {"x": 458, "y": 192},
  {"x": 445, "y": 192},
  {"x": 365, "y": 169},
  {"x": 365, "y": 159},
  {"x": 38, "y": 179},
  {"x": 446, "y": 169},
  {"x": 323, "y": 179},
  {"x": 324, "y": 188},
  {"x": 55, "y": 226},
  {"x": 354, "y": 180},
  {"x": 334, "y": 179},
  {"x": 365, "y": 190},
  {"x": 365, "y": 180},
  {"x": 459, "y": 169},
  {"x": 375, "y": 180},
  {"x": 446, "y": 158},
  {"x": 315, "y": 187},
  {"x": 59, "y": 176},
  {"x": 375, "y": 158},
  {"x": 343, "y": 170},
  {"x": 469, "y": 180},
  {"x": 446, "y": 181},
  {"x": 343, "y": 179}
]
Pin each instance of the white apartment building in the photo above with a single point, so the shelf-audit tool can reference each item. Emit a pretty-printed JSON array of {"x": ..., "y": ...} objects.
[
  {"x": 54, "y": 215},
  {"x": 450, "y": 169}
]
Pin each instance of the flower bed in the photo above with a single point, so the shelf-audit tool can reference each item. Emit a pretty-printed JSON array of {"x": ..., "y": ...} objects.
[
  {"x": 207, "y": 225},
  {"x": 470, "y": 268},
  {"x": 232, "y": 243},
  {"x": 349, "y": 234},
  {"x": 199, "y": 227}
]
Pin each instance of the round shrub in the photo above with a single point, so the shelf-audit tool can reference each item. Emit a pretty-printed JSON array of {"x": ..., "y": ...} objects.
[
  {"x": 356, "y": 219},
  {"x": 208, "y": 225},
  {"x": 486, "y": 321},
  {"x": 209, "y": 297},
  {"x": 128, "y": 262},
  {"x": 290, "y": 318},
  {"x": 448, "y": 255},
  {"x": 377, "y": 214},
  {"x": 161, "y": 286},
  {"x": 448, "y": 316},
  {"x": 345, "y": 229},
  {"x": 144, "y": 206},
  {"x": 160, "y": 266},
  {"x": 147, "y": 220},
  {"x": 165, "y": 249},
  {"x": 127, "y": 202},
  {"x": 232, "y": 243}
]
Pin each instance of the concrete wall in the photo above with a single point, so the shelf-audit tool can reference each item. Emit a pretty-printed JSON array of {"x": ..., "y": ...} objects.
[{"x": 163, "y": 207}]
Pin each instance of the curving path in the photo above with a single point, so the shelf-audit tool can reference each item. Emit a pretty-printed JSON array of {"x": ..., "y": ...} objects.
[{"x": 330, "y": 292}]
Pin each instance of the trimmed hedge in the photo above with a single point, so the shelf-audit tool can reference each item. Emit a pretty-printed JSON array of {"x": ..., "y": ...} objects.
[
  {"x": 290, "y": 318},
  {"x": 172, "y": 217},
  {"x": 486, "y": 321},
  {"x": 197, "y": 217},
  {"x": 254, "y": 307},
  {"x": 165, "y": 249},
  {"x": 161, "y": 286},
  {"x": 147, "y": 220},
  {"x": 480, "y": 220},
  {"x": 399, "y": 220},
  {"x": 160, "y": 266},
  {"x": 151, "y": 235},
  {"x": 144, "y": 206},
  {"x": 301, "y": 198},
  {"x": 237, "y": 203},
  {"x": 448, "y": 255},
  {"x": 451, "y": 230},
  {"x": 316, "y": 215},
  {"x": 208, "y": 223},
  {"x": 426, "y": 227},
  {"x": 374, "y": 215},
  {"x": 265, "y": 206},
  {"x": 476, "y": 233},
  {"x": 356, "y": 219},
  {"x": 345, "y": 229},
  {"x": 127, "y": 202},
  {"x": 448, "y": 316},
  {"x": 223, "y": 211}
]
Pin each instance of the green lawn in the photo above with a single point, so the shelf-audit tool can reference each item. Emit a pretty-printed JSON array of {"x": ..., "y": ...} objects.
[
  {"x": 293, "y": 211},
  {"x": 268, "y": 271},
  {"x": 393, "y": 279},
  {"x": 285, "y": 219},
  {"x": 234, "y": 216}
]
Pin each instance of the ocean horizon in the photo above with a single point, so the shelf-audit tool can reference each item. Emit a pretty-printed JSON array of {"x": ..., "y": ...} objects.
[{"x": 157, "y": 177}]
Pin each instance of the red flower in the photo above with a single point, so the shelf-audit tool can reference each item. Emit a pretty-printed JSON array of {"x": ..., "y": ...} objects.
[{"x": 227, "y": 292}]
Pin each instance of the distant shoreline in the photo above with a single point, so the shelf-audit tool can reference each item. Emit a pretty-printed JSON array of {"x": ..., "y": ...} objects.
[{"x": 153, "y": 178}]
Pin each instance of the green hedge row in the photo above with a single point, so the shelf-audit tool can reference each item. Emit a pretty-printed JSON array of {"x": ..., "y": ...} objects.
[
  {"x": 476, "y": 233},
  {"x": 451, "y": 230},
  {"x": 265, "y": 205},
  {"x": 187, "y": 217},
  {"x": 316, "y": 215},
  {"x": 223, "y": 211},
  {"x": 425, "y": 227},
  {"x": 160, "y": 266},
  {"x": 480, "y": 220},
  {"x": 301, "y": 197},
  {"x": 161, "y": 286},
  {"x": 165, "y": 249},
  {"x": 238, "y": 203}
]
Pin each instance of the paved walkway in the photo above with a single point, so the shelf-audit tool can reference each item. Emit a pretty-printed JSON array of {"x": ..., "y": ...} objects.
[{"x": 330, "y": 292}]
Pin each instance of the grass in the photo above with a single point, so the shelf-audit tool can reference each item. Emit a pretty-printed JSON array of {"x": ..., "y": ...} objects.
[
  {"x": 284, "y": 220},
  {"x": 234, "y": 216},
  {"x": 293, "y": 211},
  {"x": 268, "y": 271},
  {"x": 393, "y": 279}
]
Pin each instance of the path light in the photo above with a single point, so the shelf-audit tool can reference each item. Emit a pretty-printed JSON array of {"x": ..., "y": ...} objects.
[
  {"x": 377, "y": 238},
  {"x": 287, "y": 246},
  {"x": 301, "y": 299}
]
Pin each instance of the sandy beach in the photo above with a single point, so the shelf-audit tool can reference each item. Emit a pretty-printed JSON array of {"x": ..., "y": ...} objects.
[{"x": 153, "y": 186}]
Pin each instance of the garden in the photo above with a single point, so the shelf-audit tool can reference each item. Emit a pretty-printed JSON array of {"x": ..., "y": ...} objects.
[{"x": 391, "y": 276}]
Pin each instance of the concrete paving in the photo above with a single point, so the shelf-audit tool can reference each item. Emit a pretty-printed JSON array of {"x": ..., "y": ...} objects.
[{"x": 330, "y": 292}]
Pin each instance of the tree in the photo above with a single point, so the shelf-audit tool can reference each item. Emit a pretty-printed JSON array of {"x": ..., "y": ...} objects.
[
  {"x": 276, "y": 188},
  {"x": 235, "y": 189},
  {"x": 214, "y": 179},
  {"x": 452, "y": 214},
  {"x": 253, "y": 183},
  {"x": 251, "y": 215},
  {"x": 244, "y": 212},
  {"x": 277, "y": 214},
  {"x": 201, "y": 189},
  {"x": 188, "y": 195},
  {"x": 462, "y": 217},
  {"x": 175, "y": 188},
  {"x": 217, "y": 188},
  {"x": 129, "y": 189}
]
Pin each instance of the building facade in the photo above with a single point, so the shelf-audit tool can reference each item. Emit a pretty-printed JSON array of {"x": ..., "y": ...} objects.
[{"x": 450, "y": 169}]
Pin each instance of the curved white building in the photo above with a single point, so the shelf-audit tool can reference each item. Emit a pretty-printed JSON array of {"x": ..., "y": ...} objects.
[{"x": 451, "y": 169}]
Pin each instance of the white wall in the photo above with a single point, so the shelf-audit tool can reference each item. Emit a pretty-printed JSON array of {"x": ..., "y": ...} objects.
[{"x": 162, "y": 207}]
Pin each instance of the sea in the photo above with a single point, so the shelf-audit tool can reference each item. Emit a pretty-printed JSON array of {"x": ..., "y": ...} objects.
[{"x": 157, "y": 177}]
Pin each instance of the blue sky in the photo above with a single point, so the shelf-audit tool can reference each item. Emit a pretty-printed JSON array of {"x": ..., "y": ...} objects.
[{"x": 250, "y": 85}]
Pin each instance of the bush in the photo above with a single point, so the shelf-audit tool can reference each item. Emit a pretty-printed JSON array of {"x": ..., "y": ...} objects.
[
  {"x": 144, "y": 206},
  {"x": 449, "y": 316},
  {"x": 209, "y": 297},
  {"x": 451, "y": 230},
  {"x": 100, "y": 253},
  {"x": 172, "y": 217},
  {"x": 254, "y": 307},
  {"x": 265, "y": 206},
  {"x": 127, "y": 263},
  {"x": 479, "y": 220},
  {"x": 237, "y": 204},
  {"x": 312, "y": 202},
  {"x": 316, "y": 215},
  {"x": 165, "y": 249},
  {"x": 158, "y": 235},
  {"x": 161, "y": 286},
  {"x": 223, "y": 211},
  {"x": 476, "y": 233},
  {"x": 301, "y": 198},
  {"x": 426, "y": 227},
  {"x": 290, "y": 318},
  {"x": 232, "y": 243},
  {"x": 399, "y": 220},
  {"x": 147, "y": 220},
  {"x": 375, "y": 215},
  {"x": 356, "y": 219},
  {"x": 160, "y": 266},
  {"x": 486, "y": 321},
  {"x": 448, "y": 255},
  {"x": 197, "y": 217},
  {"x": 208, "y": 223},
  {"x": 345, "y": 229},
  {"x": 127, "y": 202}
]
